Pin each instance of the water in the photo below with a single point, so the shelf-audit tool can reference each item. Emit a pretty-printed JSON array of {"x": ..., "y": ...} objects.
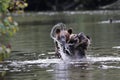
[{"x": 33, "y": 57}]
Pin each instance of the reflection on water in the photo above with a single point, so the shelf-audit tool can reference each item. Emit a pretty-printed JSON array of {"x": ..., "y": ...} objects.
[{"x": 33, "y": 57}]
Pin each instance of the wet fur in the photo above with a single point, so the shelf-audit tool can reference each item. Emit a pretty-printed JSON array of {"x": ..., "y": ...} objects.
[{"x": 78, "y": 43}]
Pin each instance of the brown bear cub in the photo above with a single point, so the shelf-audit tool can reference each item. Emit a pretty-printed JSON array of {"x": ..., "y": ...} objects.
[
  {"x": 63, "y": 36},
  {"x": 76, "y": 43}
]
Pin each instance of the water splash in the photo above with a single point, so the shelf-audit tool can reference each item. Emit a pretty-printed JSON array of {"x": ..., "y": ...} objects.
[{"x": 62, "y": 47}]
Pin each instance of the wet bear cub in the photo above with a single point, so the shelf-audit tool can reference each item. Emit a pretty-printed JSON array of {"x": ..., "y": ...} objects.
[
  {"x": 80, "y": 43},
  {"x": 63, "y": 37},
  {"x": 75, "y": 44}
]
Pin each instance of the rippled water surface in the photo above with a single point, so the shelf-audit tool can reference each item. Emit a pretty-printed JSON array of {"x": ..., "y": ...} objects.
[{"x": 33, "y": 57}]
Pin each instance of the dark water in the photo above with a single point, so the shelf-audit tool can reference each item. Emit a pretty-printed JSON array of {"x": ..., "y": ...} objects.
[{"x": 33, "y": 57}]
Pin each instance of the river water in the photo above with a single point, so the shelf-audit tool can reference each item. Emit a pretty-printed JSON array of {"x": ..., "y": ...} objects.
[{"x": 32, "y": 56}]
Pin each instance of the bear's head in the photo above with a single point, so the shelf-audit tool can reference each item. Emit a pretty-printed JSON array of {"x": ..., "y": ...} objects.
[
  {"x": 83, "y": 40},
  {"x": 63, "y": 35}
]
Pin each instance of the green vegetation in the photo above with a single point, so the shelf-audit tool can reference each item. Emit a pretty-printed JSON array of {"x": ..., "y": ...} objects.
[
  {"x": 8, "y": 27},
  {"x": 62, "y": 5}
]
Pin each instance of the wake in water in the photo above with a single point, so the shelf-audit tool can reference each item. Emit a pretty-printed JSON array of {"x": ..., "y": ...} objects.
[
  {"x": 99, "y": 62},
  {"x": 57, "y": 61}
]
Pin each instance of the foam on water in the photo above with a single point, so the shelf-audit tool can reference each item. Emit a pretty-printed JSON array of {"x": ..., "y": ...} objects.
[
  {"x": 101, "y": 59},
  {"x": 116, "y": 47},
  {"x": 103, "y": 63},
  {"x": 40, "y": 61},
  {"x": 57, "y": 61},
  {"x": 108, "y": 21},
  {"x": 109, "y": 67}
]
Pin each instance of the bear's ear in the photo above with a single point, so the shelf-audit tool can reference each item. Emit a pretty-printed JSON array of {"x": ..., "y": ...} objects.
[
  {"x": 57, "y": 31},
  {"x": 69, "y": 31}
]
